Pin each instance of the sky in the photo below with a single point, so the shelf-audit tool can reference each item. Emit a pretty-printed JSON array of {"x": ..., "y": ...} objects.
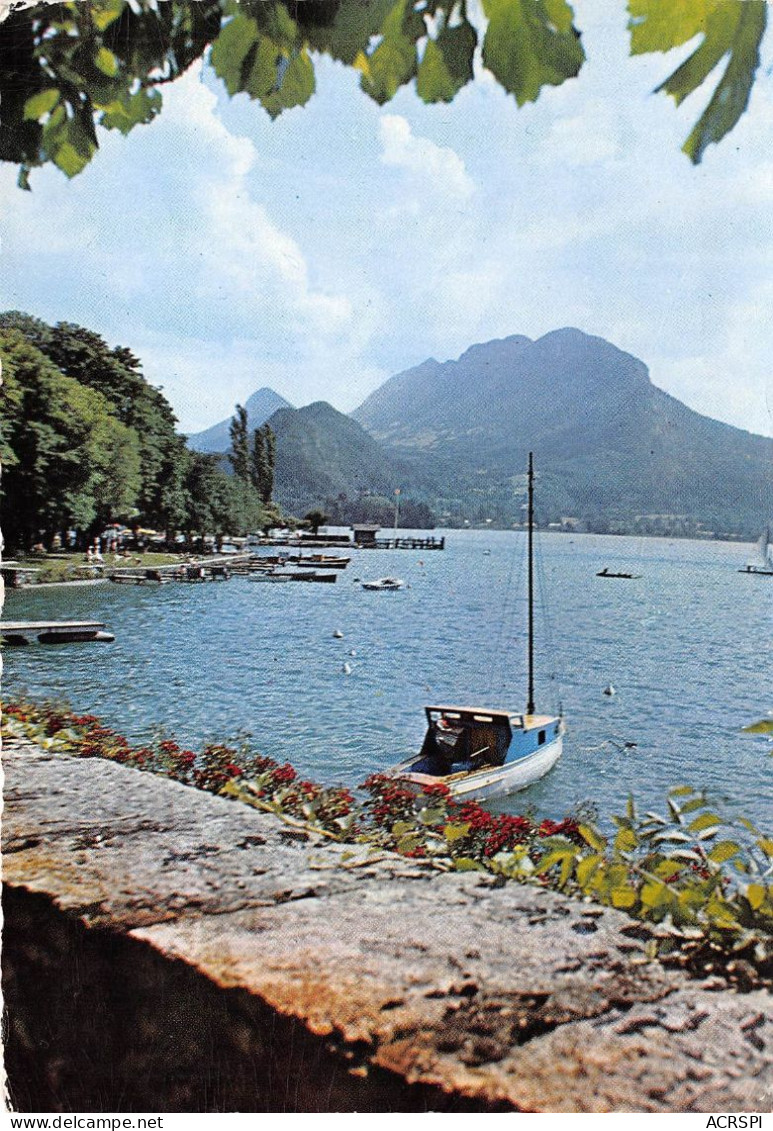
[{"x": 344, "y": 242}]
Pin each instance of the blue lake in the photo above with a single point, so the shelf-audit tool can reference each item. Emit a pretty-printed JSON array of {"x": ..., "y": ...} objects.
[{"x": 687, "y": 648}]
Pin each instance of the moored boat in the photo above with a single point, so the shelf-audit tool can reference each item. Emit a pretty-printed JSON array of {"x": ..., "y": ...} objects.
[
  {"x": 384, "y": 583},
  {"x": 480, "y": 753}
]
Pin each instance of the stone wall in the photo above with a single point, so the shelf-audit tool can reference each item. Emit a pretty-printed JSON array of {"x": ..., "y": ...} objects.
[{"x": 168, "y": 950}]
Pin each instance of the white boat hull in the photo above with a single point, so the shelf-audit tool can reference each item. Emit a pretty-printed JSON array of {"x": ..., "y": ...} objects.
[{"x": 492, "y": 782}]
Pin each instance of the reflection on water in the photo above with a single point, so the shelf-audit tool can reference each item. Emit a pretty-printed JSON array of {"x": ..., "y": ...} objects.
[{"x": 685, "y": 648}]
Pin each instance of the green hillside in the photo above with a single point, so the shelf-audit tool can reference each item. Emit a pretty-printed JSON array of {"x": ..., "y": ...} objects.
[
  {"x": 612, "y": 449},
  {"x": 327, "y": 461}
]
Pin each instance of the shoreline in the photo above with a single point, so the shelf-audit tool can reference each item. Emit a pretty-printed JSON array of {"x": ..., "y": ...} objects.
[{"x": 56, "y": 584}]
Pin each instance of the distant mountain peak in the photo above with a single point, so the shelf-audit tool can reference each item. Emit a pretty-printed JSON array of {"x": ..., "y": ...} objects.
[{"x": 261, "y": 405}]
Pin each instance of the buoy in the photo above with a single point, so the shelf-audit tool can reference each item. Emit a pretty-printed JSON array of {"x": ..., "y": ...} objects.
[
  {"x": 347, "y": 669},
  {"x": 609, "y": 690},
  {"x": 338, "y": 634},
  {"x": 353, "y": 652}
]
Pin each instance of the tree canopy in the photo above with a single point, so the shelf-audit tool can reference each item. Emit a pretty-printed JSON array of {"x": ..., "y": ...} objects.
[
  {"x": 68, "y": 68},
  {"x": 87, "y": 440}
]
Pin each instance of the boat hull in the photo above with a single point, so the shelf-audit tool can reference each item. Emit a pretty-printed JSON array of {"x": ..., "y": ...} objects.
[{"x": 490, "y": 782}]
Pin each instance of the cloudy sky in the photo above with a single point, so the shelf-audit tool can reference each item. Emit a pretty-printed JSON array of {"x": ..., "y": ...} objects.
[{"x": 325, "y": 251}]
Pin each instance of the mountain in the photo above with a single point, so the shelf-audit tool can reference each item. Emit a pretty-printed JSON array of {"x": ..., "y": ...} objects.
[
  {"x": 611, "y": 448},
  {"x": 260, "y": 407},
  {"x": 327, "y": 461}
]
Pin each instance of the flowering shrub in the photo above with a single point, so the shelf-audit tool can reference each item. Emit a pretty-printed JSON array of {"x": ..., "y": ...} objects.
[{"x": 704, "y": 881}]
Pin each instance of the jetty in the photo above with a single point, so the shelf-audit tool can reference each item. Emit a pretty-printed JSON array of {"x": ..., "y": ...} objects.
[
  {"x": 15, "y": 575},
  {"x": 54, "y": 631},
  {"x": 191, "y": 572},
  {"x": 404, "y": 544}
]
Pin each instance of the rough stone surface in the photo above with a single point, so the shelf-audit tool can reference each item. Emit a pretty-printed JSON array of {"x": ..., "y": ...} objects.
[{"x": 309, "y": 976}]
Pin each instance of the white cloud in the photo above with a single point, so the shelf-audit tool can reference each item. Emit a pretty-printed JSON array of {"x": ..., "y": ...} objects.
[{"x": 423, "y": 158}]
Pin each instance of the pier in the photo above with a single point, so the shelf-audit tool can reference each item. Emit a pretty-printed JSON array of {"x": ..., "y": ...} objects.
[
  {"x": 15, "y": 575},
  {"x": 405, "y": 544},
  {"x": 54, "y": 632},
  {"x": 191, "y": 572}
]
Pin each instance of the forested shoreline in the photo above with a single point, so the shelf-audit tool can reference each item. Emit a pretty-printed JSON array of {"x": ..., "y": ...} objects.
[{"x": 86, "y": 441}]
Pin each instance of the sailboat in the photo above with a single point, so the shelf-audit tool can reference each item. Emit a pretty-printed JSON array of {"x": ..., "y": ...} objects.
[
  {"x": 762, "y": 563},
  {"x": 481, "y": 753}
]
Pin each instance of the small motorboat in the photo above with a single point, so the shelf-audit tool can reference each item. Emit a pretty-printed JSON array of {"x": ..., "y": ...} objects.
[
  {"x": 606, "y": 572},
  {"x": 384, "y": 583}
]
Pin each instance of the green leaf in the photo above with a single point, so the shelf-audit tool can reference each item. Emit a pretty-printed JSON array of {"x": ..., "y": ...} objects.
[
  {"x": 724, "y": 850},
  {"x": 353, "y": 26},
  {"x": 106, "y": 62},
  {"x": 453, "y": 832},
  {"x": 293, "y": 86},
  {"x": 654, "y": 895},
  {"x": 69, "y": 159},
  {"x": 720, "y": 913},
  {"x": 230, "y": 50},
  {"x": 393, "y": 63},
  {"x": 705, "y": 821},
  {"x": 766, "y": 846},
  {"x": 40, "y": 104},
  {"x": 447, "y": 64},
  {"x": 530, "y": 44},
  {"x": 137, "y": 109},
  {"x": 626, "y": 840},
  {"x": 408, "y": 843},
  {"x": 400, "y": 828},
  {"x": 562, "y": 856},
  {"x": 680, "y": 791},
  {"x": 696, "y": 803},
  {"x": 467, "y": 864},
  {"x": 756, "y": 894},
  {"x": 105, "y": 12},
  {"x": 731, "y": 30},
  {"x": 592, "y": 837},
  {"x": 764, "y": 726},
  {"x": 623, "y": 896},
  {"x": 431, "y": 816},
  {"x": 587, "y": 869}
]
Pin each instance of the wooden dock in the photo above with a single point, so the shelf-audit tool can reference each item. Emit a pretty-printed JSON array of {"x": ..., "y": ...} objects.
[
  {"x": 15, "y": 575},
  {"x": 404, "y": 544},
  {"x": 54, "y": 631},
  {"x": 198, "y": 571}
]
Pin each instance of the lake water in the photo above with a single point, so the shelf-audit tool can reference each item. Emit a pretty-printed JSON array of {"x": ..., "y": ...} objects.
[{"x": 687, "y": 648}]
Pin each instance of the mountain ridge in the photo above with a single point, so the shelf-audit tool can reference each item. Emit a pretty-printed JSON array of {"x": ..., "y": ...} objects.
[
  {"x": 260, "y": 406},
  {"x": 610, "y": 444}
]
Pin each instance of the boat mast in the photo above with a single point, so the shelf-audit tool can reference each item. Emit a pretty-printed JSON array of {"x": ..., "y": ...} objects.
[{"x": 530, "y": 704}]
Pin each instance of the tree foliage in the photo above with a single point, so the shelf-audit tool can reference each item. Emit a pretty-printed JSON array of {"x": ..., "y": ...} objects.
[
  {"x": 68, "y": 68},
  {"x": 263, "y": 462},
  {"x": 239, "y": 455},
  {"x": 87, "y": 440},
  {"x": 315, "y": 519},
  {"x": 68, "y": 459}
]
